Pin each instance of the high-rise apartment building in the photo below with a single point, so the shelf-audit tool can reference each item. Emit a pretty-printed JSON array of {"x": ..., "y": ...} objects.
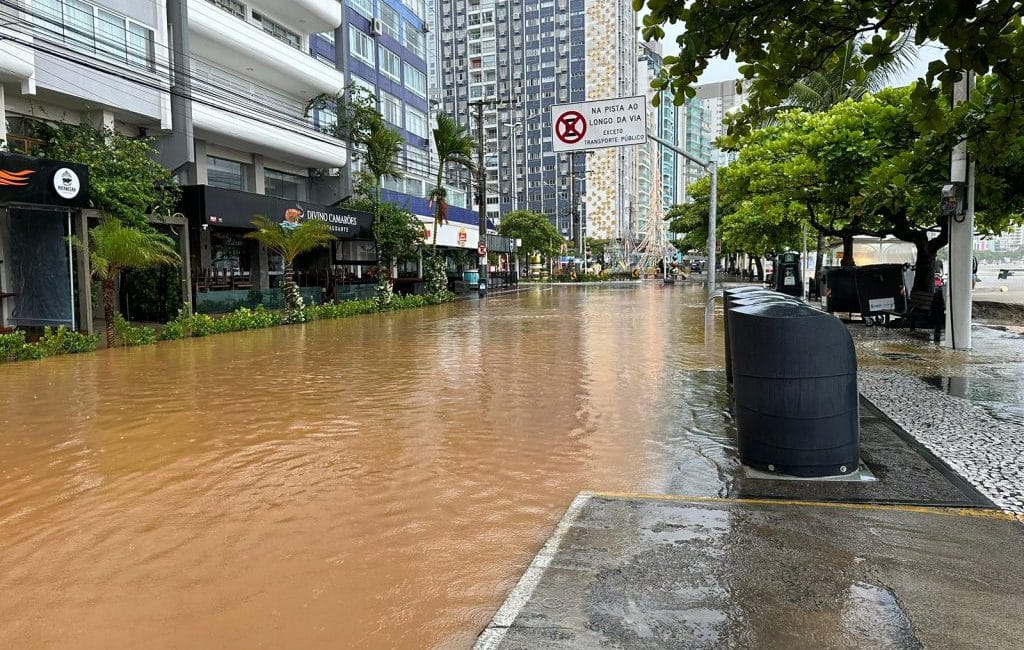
[
  {"x": 718, "y": 99},
  {"x": 521, "y": 57}
]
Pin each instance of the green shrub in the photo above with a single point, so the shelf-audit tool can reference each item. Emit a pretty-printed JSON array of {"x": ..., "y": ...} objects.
[
  {"x": 187, "y": 325},
  {"x": 243, "y": 319},
  {"x": 132, "y": 336},
  {"x": 65, "y": 341},
  {"x": 12, "y": 346}
]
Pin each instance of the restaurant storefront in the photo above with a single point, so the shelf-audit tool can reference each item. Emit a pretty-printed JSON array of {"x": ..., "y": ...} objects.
[
  {"x": 43, "y": 281},
  {"x": 231, "y": 270}
]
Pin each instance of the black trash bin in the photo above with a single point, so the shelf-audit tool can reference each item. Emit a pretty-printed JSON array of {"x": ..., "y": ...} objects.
[
  {"x": 744, "y": 296},
  {"x": 795, "y": 387},
  {"x": 787, "y": 278},
  {"x": 841, "y": 290},
  {"x": 880, "y": 290}
]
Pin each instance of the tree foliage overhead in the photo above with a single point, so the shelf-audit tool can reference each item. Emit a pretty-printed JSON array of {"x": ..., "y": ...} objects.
[
  {"x": 540, "y": 237},
  {"x": 125, "y": 181},
  {"x": 860, "y": 168},
  {"x": 779, "y": 42}
]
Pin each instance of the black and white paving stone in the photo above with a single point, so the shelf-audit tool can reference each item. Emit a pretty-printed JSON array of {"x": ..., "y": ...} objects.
[{"x": 987, "y": 452}]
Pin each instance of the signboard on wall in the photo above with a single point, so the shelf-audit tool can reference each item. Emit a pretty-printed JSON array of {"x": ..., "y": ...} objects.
[
  {"x": 454, "y": 235},
  {"x": 599, "y": 124},
  {"x": 24, "y": 179},
  {"x": 235, "y": 209}
]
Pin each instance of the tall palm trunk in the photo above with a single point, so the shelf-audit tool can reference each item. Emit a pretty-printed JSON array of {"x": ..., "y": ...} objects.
[
  {"x": 437, "y": 208},
  {"x": 109, "y": 286},
  {"x": 290, "y": 290}
]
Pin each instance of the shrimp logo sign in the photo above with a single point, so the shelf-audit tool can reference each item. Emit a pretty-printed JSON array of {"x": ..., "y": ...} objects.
[
  {"x": 599, "y": 124},
  {"x": 66, "y": 183},
  {"x": 15, "y": 179}
]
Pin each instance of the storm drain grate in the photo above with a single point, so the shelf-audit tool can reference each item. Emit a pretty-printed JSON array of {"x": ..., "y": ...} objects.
[{"x": 862, "y": 475}]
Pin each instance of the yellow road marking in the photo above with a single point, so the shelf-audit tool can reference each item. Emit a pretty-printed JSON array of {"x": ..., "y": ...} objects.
[{"x": 949, "y": 512}]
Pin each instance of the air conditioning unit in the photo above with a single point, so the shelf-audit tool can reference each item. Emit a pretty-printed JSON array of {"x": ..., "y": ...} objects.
[{"x": 377, "y": 27}]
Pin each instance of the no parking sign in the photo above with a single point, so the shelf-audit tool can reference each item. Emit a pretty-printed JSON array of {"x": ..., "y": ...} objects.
[{"x": 598, "y": 124}]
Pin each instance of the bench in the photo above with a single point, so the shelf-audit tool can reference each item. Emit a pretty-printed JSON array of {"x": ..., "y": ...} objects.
[{"x": 927, "y": 307}]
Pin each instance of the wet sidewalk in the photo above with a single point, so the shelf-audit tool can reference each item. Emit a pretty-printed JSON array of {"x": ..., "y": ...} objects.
[{"x": 634, "y": 571}]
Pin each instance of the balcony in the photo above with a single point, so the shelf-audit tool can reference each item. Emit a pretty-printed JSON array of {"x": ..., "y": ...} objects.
[
  {"x": 306, "y": 16},
  {"x": 217, "y": 35},
  {"x": 234, "y": 111}
]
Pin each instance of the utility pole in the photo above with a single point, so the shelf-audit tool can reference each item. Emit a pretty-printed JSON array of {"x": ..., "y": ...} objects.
[
  {"x": 481, "y": 193},
  {"x": 959, "y": 303}
]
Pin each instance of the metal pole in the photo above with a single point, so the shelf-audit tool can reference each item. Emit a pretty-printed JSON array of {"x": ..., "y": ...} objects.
[
  {"x": 961, "y": 239},
  {"x": 712, "y": 227},
  {"x": 481, "y": 177},
  {"x": 573, "y": 232}
]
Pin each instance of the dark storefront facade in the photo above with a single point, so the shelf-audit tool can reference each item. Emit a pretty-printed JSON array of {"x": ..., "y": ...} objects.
[
  {"x": 43, "y": 281},
  {"x": 230, "y": 271}
]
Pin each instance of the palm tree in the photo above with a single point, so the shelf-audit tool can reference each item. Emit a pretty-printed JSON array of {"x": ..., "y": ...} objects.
[
  {"x": 114, "y": 247},
  {"x": 845, "y": 77},
  {"x": 454, "y": 145},
  {"x": 383, "y": 147},
  {"x": 289, "y": 243}
]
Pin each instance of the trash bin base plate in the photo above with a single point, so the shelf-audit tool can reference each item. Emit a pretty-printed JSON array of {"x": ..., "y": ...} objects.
[{"x": 862, "y": 475}]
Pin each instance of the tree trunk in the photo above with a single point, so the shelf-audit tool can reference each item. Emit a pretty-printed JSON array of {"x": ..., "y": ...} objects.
[
  {"x": 847, "y": 260},
  {"x": 924, "y": 275},
  {"x": 289, "y": 286},
  {"x": 819, "y": 256},
  {"x": 760, "y": 268},
  {"x": 109, "y": 286}
]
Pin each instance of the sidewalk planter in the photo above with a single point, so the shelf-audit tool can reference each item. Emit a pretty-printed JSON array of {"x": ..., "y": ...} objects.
[{"x": 795, "y": 387}]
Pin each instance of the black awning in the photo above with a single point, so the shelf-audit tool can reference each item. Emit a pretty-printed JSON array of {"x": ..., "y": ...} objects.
[
  {"x": 35, "y": 181},
  {"x": 217, "y": 206}
]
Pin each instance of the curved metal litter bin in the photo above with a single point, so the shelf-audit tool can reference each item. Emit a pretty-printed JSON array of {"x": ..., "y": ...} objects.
[
  {"x": 795, "y": 386},
  {"x": 750, "y": 296}
]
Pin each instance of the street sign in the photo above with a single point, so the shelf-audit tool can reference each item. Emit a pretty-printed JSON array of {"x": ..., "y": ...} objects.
[
  {"x": 482, "y": 249},
  {"x": 598, "y": 124}
]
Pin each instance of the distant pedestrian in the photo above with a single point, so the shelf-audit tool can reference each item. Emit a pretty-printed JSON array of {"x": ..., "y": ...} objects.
[{"x": 974, "y": 271}]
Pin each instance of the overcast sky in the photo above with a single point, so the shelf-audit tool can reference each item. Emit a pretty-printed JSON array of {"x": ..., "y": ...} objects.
[{"x": 719, "y": 70}]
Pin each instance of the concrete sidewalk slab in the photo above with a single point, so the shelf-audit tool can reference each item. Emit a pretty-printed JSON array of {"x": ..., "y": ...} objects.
[{"x": 633, "y": 571}]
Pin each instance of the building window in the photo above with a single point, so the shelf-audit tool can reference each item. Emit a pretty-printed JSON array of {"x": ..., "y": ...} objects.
[
  {"x": 360, "y": 46},
  {"x": 391, "y": 108},
  {"x": 389, "y": 18},
  {"x": 415, "y": 41},
  {"x": 419, "y": 7},
  {"x": 96, "y": 30},
  {"x": 277, "y": 30},
  {"x": 415, "y": 122},
  {"x": 21, "y": 134},
  {"x": 364, "y": 88},
  {"x": 390, "y": 64},
  {"x": 326, "y": 120},
  {"x": 231, "y": 6},
  {"x": 415, "y": 80},
  {"x": 364, "y": 7},
  {"x": 228, "y": 174},
  {"x": 286, "y": 186}
]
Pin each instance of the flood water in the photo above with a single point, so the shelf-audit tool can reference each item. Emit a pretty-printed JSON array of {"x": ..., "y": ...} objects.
[{"x": 380, "y": 481}]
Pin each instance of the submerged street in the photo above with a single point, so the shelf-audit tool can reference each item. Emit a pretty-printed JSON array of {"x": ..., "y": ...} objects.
[
  {"x": 374, "y": 480},
  {"x": 379, "y": 481}
]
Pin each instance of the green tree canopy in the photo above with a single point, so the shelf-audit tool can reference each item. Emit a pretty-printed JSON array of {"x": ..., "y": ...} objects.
[
  {"x": 861, "y": 168},
  {"x": 779, "y": 42},
  {"x": 399, "y": 234},
  {"x": 540, "y": 237},
  {"x": 125, "y": 181}
]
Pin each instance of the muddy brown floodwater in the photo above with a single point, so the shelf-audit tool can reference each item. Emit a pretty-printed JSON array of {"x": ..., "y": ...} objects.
[{"x": 380, "y": 481}]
